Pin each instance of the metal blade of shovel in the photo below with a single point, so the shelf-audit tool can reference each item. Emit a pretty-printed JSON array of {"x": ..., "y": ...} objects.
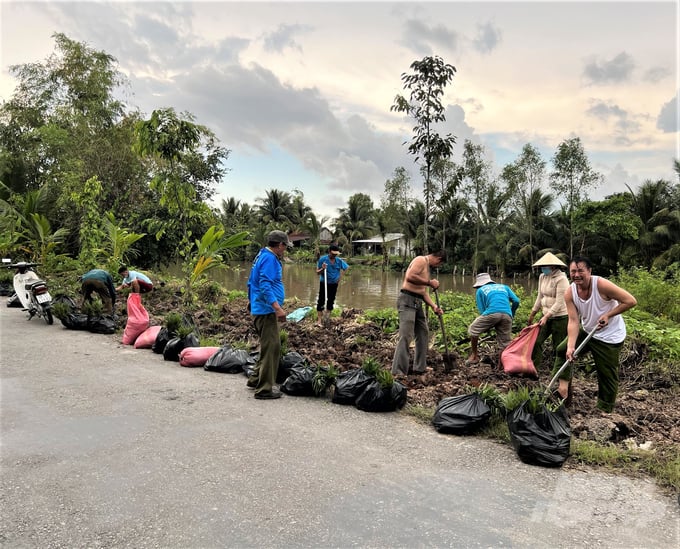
[
  {"x": 448, "y": 359},
  {"x": 576, "y": 352}
]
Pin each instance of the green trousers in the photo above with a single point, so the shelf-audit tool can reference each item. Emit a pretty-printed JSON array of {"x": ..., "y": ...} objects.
[
  {"x": 556, "y": 329},
  {"x": 606, "y": 359},
  {"x": 267, "y": 366}
]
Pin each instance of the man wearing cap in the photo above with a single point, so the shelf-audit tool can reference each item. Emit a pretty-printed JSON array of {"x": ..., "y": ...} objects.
[
  {"x": 497, "y": 304},
  {"x": 330, "y": 266},
  {"x": 265, "y": 300},
  {"x": 412, "y": 318},
  {"x": 594, "y": 304},
  {"x": 552, "y": 284}
]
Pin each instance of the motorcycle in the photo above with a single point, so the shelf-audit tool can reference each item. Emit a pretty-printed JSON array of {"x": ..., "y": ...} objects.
[{"x": 32, "y": 291}]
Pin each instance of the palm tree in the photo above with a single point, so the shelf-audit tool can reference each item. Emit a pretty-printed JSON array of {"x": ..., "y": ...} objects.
[
  {"x": 357, "y": 219},
  {"x": 276, "y": 209},
  {"x": 653, "y": 205}
]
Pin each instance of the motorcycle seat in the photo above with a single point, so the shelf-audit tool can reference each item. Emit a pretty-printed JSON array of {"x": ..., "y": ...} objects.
[{"x": 34, "y": 283}]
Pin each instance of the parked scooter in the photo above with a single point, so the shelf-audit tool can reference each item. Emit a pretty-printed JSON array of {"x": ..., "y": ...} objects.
[{"x": 32, "y": 291}]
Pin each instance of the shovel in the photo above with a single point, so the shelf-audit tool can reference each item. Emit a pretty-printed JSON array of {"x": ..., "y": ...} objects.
[
  {"x": 576, "y": 352},
  {"x": 448, "y": 359},
  {"x": 326, "y": 313}
]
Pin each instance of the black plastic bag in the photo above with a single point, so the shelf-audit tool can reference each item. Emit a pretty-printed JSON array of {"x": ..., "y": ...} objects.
[
  {"x": 101, "y": 324},
  {"x": 75, "y": 321},
  {"x": 161, "y": 341},
  {"x": 229, "y": 361},
  {"x": 377, "y": 398},
  {"x": 287, "y": 363},
  {"x": 349, "y": 385},
  {"x": 542, "y": 438},
  {"x": 300, "y": 381},
  {"x": 175, "y": 346},
  {"x": 461, "y": 414}
]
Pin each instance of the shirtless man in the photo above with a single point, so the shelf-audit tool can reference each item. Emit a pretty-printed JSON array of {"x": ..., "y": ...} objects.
[
  {"x": 412, "y": 318},
  {"x": 594, "y": 302}
]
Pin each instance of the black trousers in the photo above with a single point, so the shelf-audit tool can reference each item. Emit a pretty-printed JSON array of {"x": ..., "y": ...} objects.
[{"x": 321, "y": 303}]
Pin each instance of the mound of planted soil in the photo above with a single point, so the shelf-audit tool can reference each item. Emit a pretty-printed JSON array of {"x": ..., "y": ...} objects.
[{"x": 646, "y": 410}]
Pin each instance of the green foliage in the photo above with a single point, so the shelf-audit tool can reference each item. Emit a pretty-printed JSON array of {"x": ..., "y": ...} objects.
[
  {"x": 283, "y": 335},
  {"x": 236, "y": 294},
  {"x": 656, "y": 291},
  {"x": 371, "y": 366},
  {"x": 173, "y": 321},
  {"x": 117, "y": 245},
  {"x": 184, "y": 330},
  {"x": 324, "y": 377},
  {"x": 387, "y": 319},
  {"x": 92, "y": 234},
  {"x": 212, "y": 249},
  {"x": 535, "y": 398},
  {"x": 385, "y": 378},
  {"x": 60, "y": 310},
  {"x": 490, "y": 395},
  {"x": 209, "y": 341},
  {"x": 93, "y": 308}
]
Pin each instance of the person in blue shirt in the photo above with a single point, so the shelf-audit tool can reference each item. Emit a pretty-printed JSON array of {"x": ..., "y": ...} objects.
[
  {"x": 497, "y": 304},
  {"x": 332, "y": 266},
  {"x": 139, "y": 282},
  {"x": 265, "y": 299}
]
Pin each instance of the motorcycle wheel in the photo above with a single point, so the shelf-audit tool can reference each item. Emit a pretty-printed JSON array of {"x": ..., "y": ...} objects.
[{"x": 47, "y": 312}]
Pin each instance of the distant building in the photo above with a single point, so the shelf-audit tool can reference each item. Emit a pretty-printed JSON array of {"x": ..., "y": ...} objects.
[
  {"x": 325, "y": 236},
  {"x": 394, "y": 242}
]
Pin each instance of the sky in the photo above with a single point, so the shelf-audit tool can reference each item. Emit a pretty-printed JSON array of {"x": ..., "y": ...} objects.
[{"x": 300, "y": 93}]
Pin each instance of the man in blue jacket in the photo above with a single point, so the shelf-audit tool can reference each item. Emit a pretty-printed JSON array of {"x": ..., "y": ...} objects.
[
  {"x": 265, "y": 300},
  {"x": 497, "y": 304}
]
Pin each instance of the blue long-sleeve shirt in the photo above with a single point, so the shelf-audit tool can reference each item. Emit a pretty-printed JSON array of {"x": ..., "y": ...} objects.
[
  {"x": 265, "y": 283},
  {"x": 496, "y": 298}
]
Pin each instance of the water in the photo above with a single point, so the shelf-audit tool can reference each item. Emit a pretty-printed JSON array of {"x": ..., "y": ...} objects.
[{"x": 360, "y": 287}]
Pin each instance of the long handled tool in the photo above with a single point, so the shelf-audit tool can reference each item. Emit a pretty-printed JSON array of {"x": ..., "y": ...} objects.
[
  {"x": 326, "y": 313},
  {"x": 448, "y": 359},
  {"x": 576, "y": 352}
]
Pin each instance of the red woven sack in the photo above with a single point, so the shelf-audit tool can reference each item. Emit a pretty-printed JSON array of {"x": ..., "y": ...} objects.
[
  {"x": 147, "y": 338},
  {"x": 138, "y": 319},
  {"x": 193, "y": 357},
  {"x": 516, "y": 357}
]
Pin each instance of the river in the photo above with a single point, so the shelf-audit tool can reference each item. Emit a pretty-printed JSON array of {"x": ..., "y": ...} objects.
[{"x": 361, "y": 287}]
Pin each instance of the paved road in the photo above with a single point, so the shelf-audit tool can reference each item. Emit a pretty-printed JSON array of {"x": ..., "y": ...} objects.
[{"x": 107, "y": 446}]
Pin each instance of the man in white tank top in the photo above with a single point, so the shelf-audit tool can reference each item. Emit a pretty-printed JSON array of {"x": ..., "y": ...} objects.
[{"x": 594, "y": 302}]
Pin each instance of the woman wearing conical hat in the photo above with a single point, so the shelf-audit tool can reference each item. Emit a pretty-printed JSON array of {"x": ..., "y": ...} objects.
[{"x": 552, "y": 283}]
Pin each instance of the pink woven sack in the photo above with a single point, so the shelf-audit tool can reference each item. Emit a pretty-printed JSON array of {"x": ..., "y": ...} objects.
[
  {"x": 138, "y": 319},
  {"x": 516, "y": 357},
  {"x": 146, "y": 339},
  {"x": 193, "y": 357}
]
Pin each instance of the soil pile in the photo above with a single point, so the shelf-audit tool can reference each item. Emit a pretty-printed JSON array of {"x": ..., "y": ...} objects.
[{"x": 646, "y": 409}]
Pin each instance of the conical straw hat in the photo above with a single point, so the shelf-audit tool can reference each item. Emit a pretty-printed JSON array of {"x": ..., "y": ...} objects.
[{"x": 549, "y": 260}]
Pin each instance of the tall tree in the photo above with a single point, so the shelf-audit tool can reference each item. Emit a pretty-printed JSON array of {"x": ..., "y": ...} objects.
[
  {"x": 524, "y": 177},
  {"x": 394, "y": 201},
  {"x": 426, "y": 84},
  {"x": 572, "y": 177},
  {"x": 476, "y": 186},
  {"x": 187, "y": 161}
]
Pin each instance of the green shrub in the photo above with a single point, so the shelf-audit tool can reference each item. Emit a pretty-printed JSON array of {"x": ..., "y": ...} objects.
[{"x": 387, "y": 319}]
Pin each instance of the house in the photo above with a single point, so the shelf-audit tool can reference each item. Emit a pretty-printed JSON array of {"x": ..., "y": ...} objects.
[
  {"x": 325, "y": 236},
  {"x": 394, "y": 242}
]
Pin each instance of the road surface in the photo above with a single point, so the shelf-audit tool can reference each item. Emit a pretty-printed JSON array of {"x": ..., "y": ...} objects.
[{"x": 107, "y": 446}]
